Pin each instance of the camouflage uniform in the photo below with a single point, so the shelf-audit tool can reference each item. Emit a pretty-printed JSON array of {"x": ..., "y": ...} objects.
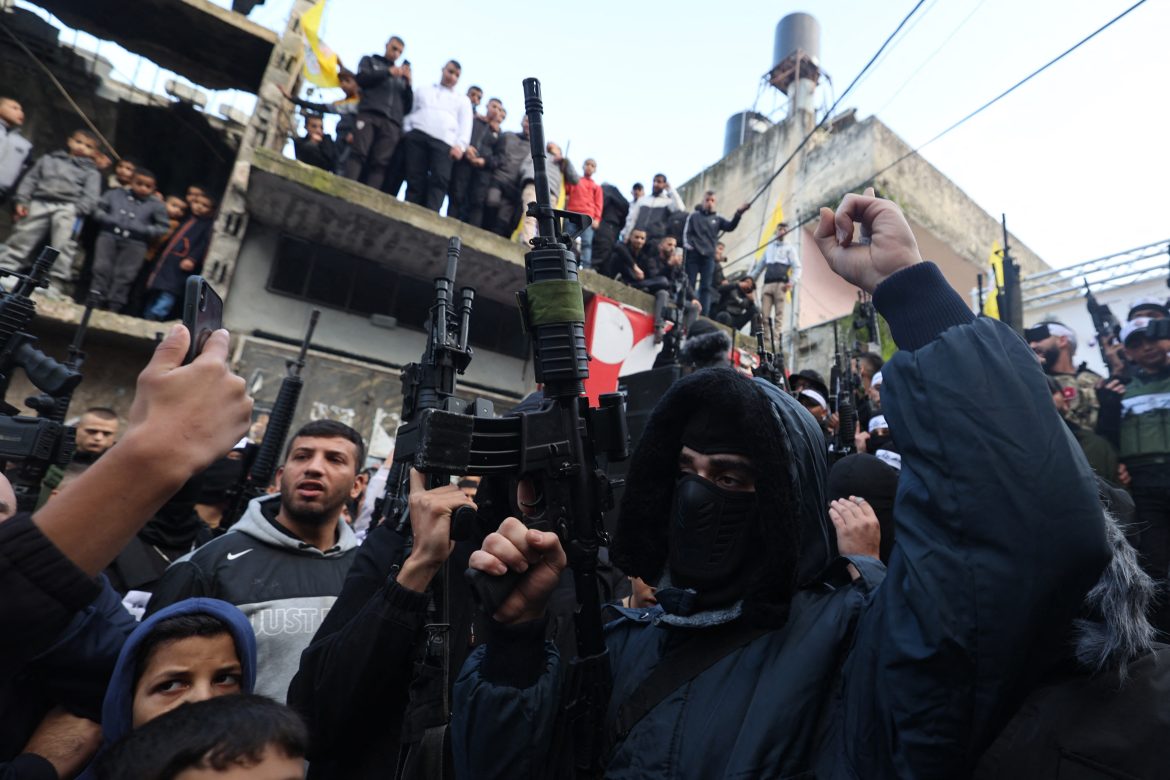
[{"x": 1080, "y": 389}]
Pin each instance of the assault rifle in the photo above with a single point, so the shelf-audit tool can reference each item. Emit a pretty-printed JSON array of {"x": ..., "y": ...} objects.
[
  {"x": 429, "y": 385},
  {"x": 841, "y": 401},
  {"x": 260, "y": 461},
  {"x": 560, "y": 443},
  {"x": 1107, "y": 327},
  {"x": 34, "y": 443},
  {"x": 555, "y": 447},
  {"x": 771, "y": 365},
  {"x": 865, "y": 320}
]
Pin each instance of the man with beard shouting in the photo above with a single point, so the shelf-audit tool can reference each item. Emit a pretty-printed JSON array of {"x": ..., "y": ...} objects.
[{"x": 284, "y": 562}]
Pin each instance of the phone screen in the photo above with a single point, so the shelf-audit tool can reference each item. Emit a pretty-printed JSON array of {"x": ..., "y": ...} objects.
[{"x": 202, "y": 314}]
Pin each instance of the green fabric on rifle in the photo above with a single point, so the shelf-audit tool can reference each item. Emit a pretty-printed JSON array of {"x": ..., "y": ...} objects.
[{"x": 555, "y": 300}]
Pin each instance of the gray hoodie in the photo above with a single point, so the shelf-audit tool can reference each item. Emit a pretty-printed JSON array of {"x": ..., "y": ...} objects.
[
  {"x": 60, "y": 177},
  {"x": 528, "y": 173},
  {"x": 14, "y": 149},
  {"x": 285, "y": 586}
]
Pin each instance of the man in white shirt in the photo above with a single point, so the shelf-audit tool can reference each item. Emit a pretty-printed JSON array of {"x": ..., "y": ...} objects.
[
  {"x": 438, "y": 132},
  {"x": 781, "y": 268}
]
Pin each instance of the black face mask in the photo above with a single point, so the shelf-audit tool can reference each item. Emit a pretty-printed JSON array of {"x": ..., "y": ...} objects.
[
  {"x": 712, "y": 535},
  {"x": 875, "y": 443}
]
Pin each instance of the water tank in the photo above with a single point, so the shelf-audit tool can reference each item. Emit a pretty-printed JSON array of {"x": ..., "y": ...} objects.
[
  {"x": 797, "y": 31},
  {"x": 742, "y": 127}
]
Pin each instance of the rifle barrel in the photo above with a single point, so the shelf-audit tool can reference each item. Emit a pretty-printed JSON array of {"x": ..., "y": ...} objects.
[
  {"x": 534, "y": 108},
  {"x": 454, "y": 247},
  {"x": 300, "y": 361}
]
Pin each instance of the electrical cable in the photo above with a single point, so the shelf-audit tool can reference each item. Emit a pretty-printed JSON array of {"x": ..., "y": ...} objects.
[
  {"x": 61, "y": 88},
  {"x": 905, "y": 34},
  {"x": 832, "y": 108},
  {"x": 931, "y": 57},
  {"x": 869, "y": 179}
]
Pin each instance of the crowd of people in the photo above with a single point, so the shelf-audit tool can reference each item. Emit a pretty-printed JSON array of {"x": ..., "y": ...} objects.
[
  {"x": 971, "y": 585},
  {"x": 118, "y": 235},
  {"x": 437, "y": 142}
]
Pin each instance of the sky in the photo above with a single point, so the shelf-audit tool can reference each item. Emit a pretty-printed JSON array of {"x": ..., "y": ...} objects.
[{"x": 1077, "y": 158}]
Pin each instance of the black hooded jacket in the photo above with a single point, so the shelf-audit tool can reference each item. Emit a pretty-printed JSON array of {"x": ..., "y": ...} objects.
[{"x": 909, "y": 679}]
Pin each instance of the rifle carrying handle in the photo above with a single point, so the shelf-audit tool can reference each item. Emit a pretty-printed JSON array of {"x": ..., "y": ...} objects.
[{"x": 491, "y": 590}]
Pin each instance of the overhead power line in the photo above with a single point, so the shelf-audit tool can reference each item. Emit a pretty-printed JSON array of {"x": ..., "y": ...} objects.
[
  {"x": 930, "y": 57},
  {"x": 869, "y": 179},
  {"x": 832, "y": 108}
]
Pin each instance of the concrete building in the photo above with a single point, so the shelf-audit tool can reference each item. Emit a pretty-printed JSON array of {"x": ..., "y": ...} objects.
[
  {"x": 842, "y": 156},
  {"x": 290, "y": 238}
]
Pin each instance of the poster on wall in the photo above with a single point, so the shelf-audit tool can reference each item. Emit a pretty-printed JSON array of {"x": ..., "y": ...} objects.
[{"x": 620, "y": 340}]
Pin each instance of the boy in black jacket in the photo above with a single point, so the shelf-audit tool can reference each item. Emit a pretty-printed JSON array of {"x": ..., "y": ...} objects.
[
  {"x": 182, "y": 256},
  {"x": 129, "y": 218}
]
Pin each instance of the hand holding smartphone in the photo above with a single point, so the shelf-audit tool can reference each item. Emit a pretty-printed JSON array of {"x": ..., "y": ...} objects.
[{"x": 202, "y": 314}]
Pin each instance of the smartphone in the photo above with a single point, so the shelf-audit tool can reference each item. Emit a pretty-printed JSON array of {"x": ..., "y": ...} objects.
[{"x": 202, "y": 314}]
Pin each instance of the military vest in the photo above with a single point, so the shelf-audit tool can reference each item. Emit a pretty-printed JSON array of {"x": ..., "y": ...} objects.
[
  {"x": 1145, "y": 418},
  {"x": 1080, "y": 390}
]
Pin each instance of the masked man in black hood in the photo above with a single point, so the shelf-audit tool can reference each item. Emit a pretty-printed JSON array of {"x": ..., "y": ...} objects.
[{"x": 772, "y": 654}]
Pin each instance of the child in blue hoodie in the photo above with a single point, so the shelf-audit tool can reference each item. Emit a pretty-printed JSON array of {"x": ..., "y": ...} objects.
[{"x": 193, "y": 650}]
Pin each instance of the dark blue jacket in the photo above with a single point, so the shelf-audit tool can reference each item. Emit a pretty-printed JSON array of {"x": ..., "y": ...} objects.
[
  {"x": 1000, "y": 535},
  {"x": 72, "y": 673},
  {"x": 190, "y": 242}
]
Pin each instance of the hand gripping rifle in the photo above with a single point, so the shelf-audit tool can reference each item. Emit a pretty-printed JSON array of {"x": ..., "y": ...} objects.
[
  {"x": 1107, "y": 327},
  {"x": 42, "y": 441},
  {"x": 841, "y": 401},
  {"x": 556, "y": 447},
  {"x": 260, "y": 461},
  {"x": 430, "y": 385}
]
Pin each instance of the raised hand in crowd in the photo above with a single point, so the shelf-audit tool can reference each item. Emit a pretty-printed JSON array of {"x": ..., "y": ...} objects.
[
  {"x": 430, "y": 522},
  {"x": 183, "y": 418},
  {"x": 537, "y": 555},
  {"x": 890, "y": 248},
  {"x": 858, "y": 531}
]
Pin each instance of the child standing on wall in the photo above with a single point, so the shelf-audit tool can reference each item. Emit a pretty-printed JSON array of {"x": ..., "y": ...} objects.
[
  {"x": 181, "y": 257},
  {"x": 60, "y": 187},
  {"x": 129, "y": 218}
]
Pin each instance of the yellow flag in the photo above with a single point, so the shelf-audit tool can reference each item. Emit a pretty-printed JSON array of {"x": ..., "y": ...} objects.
[
  {"x": 320, "y": 61},
  {"x": 770, "y": 233},
  {"x": 991, "y": 305},
  {"x": 518, "y": 233},
  {"x": 770, "y": 228}
]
